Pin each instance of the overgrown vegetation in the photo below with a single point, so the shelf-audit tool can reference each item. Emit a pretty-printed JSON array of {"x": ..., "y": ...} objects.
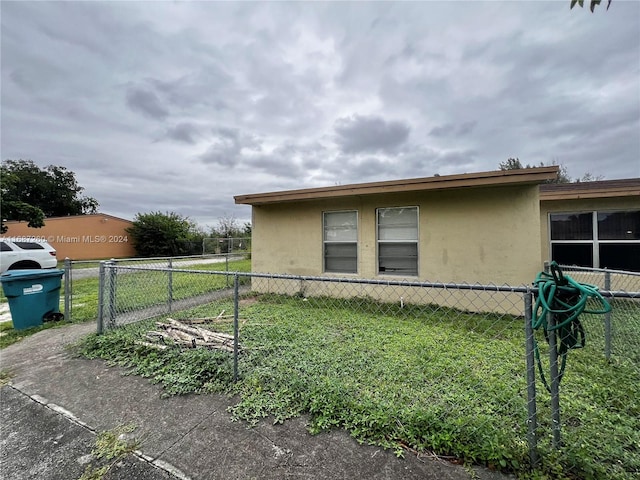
[{"x": 425, "y": 378}]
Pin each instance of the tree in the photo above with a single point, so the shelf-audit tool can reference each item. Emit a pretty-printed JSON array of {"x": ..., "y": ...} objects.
[
  {"x": 588, "y": 177},
  {"x": 592, "y": 5},
  {"x": 30, "y": 193},
  {"x": 168, "y": 234},
  {"x": 563, "y": 174},
  {"x": 511, "y": 164},
  {"x": 228, "y": 227}
]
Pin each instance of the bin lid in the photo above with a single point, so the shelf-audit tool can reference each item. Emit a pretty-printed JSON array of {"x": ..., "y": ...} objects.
[{"x": 11, "y": 275}]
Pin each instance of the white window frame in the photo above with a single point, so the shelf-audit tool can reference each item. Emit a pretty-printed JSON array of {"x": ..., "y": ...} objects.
[
  {"x": 595, "y": 241},
  {"x": 326, "y": 242},
  {"x": 380, "y": 242}
]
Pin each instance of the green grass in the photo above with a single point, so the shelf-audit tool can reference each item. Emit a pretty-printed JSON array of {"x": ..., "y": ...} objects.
[{"x": 426, "y": 378}]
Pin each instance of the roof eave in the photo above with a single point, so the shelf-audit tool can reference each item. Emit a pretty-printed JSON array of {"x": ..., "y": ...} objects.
[
  {"x": 467, "y": 180},
  {"x": 600, "y": 193}
]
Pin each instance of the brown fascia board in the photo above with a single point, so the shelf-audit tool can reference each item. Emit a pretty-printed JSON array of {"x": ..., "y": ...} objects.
[
  {"x": 627, "y": 187},
  {"x": 481, "y": 179}
]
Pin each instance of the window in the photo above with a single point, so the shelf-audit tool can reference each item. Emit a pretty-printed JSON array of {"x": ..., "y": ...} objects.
[
  {"x": 596, "y": 239},
  {"x": 398, "y": 241},
  {"x": 340, "y": 242},
  {"x": 4, "y": 247},
  {"x": 29, "y": 245}
]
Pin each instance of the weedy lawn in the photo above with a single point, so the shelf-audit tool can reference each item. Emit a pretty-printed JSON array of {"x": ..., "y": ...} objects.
[{"x": 425, "y": 378}]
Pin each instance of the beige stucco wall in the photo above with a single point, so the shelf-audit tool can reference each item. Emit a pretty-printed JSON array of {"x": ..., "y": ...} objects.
[
  {"x": 81, "y": 237},
  {"x": 578, "y": 205},
  {"x": 479, "y": 235}
]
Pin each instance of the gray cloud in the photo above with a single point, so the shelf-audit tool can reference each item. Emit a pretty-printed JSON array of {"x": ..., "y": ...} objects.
[
  {"x": 246, "y": 96},
  {"x": 224, "y": 151},
  {"x": 147, "y": 103},
  {"x": 450, "y": 129},
  {"x": 358, "y": 133},
  {"x": 183, "y": 132}
]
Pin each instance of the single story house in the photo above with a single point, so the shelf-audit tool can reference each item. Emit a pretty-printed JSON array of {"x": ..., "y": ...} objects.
[
  {"x": 479, "y": 227},
  {"x": 493, "y": 227},
  {"x": 81, "y": 237},
  {"x": 471, "y": 228}
]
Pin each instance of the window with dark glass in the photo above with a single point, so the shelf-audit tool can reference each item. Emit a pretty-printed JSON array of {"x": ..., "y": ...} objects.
[
  {"x": 619, "y": 225},
  {"x": 340, "y": 242},
  {"x": 573, "y": 226},
  {"x": 596, "y": 239},
  {"x": 398, "y": 241},
  {"x": 29, "y": 245}
]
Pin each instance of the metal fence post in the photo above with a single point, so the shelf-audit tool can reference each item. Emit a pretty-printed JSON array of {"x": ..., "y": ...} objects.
[
  {"x": 67, "y": 288},
  {"x": 236, "y": 288},
  {"x": 532, "y": 418},
  {"x": 554, "y": 376},
  {"x": 555, "y": 381},
  {"x": 607, "y": 320},
  {"x": 170, "y": 285},
  {"x": 101, "y": 297},
  {"x": 112, "y": 292},
  {"x": 226, "y": 266}
]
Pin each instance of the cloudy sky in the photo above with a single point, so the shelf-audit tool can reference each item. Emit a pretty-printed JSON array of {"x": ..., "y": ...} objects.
[{"x": 175, "y": 106}]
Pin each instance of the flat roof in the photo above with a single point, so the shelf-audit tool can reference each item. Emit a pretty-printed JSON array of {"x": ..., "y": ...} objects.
[
  {"x": 466, "y": 180},
  {"x": 626, "y": 187}
]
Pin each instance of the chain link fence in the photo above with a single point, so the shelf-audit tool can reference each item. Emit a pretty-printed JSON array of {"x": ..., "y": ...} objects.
[
  {"x": 79, "y": 298},
  {"x": 219, "y": 245},
  {"x": 616, "y": 334},
  {"x": 451, "y": 369}
]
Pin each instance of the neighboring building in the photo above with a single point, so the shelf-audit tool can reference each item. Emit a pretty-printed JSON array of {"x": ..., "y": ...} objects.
[
  {"x": 592, "y": 224},
  {"x": 81, "y": 237},
  {"x": 481, "y": 227}
]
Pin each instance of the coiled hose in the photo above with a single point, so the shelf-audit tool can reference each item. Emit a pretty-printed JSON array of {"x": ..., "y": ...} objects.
[{"x": 561, "y": 296}]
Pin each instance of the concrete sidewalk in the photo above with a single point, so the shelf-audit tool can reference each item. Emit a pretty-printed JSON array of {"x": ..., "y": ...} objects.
[{"x": 53, "y": 395}]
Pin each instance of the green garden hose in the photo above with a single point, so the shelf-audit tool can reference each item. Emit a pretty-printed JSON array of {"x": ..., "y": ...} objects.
[{"x": 564, "y": 298}]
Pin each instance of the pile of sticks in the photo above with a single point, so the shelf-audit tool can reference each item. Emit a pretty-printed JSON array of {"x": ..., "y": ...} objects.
[{"x": 178, "y": 333}]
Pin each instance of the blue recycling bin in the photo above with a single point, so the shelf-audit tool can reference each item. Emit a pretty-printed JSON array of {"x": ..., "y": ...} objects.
[{"x": 33, "y": 295}]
